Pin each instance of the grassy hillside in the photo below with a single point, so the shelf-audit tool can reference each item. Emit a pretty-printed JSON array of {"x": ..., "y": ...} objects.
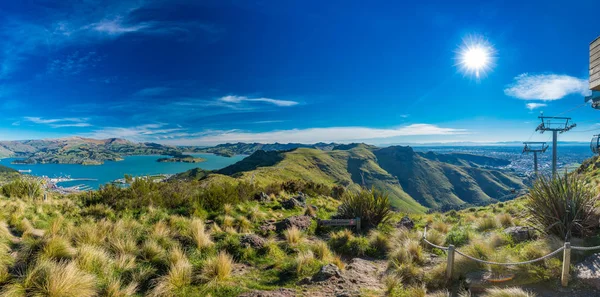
[
  {"x": 7, "y": 174},
  {"x": 78, "y": 150},
  {"x": 416, "y": 182}
]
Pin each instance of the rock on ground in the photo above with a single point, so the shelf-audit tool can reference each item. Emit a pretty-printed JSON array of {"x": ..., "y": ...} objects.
[
  {"x": 327, "y": 271},
  {"x": 274, "y": 293},
  {"x": 406, "y": 222},
  {"x": 252, "y": 240},
  {"x": 519, "y": 233},
  {"x": 588, "y": 271},
  {"x": 300, "y": 222}
]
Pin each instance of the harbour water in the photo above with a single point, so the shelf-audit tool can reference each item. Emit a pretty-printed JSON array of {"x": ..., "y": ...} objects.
[{"x": 110, "y": 171}]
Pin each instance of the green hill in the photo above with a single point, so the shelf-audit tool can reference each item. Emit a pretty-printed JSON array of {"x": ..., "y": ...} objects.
[
  {"x": 7, "y": 174},
  {"x": 416, "y": 182},
  {"x": 231, "y": 149}
]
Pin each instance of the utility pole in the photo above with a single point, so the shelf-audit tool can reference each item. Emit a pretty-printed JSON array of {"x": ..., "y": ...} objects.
[
  {"x": 530, "y": 148},
  {"x": 556, "y": 125}
]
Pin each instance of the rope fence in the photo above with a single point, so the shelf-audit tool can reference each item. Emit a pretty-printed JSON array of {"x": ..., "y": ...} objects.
[{"x": 566, "y": 249}]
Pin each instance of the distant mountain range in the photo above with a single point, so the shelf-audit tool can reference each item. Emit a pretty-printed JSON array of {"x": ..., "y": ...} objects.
[
  {"x": 415, "y": 181},
  {"x": 79, "y": 150},
  {"x": 240, "y": 148}
]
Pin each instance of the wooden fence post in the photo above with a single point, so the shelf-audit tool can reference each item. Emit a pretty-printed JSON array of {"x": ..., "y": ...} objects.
[
  {"x": 450, "y": 263},
  {"x": 357, "y": 225},
  {"x": 564, "y": 279}
]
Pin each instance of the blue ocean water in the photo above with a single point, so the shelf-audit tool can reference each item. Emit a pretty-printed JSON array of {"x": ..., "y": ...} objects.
[{"x": 109, "y": 171}]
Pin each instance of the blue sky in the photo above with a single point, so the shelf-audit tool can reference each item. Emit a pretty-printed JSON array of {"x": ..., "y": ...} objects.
[{"x": 206, "y": 72}]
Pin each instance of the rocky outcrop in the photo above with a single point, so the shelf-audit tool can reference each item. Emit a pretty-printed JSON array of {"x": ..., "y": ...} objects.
[
  {"x": 252, "y": 240},
  {"x": 519, "y": 233},
  {"x": 261, "y": 197},
  {"x": 300, "y": 222},
  {"x": 326, "y": 272},
  {"x": 406, "y": 222},
  {"x": 274, "y": 293}
]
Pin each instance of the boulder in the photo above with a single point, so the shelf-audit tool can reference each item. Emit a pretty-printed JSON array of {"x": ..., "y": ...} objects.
[
  {"x": 519, "y": 233},
  {"x": 252, "y": 240},
  {"x": 292, "y": 203},
  {"x": 406, "y": 222},
  {"x": 300, "y": 222},
  {"x": 266, "y": 229},
  {"x": 326, "y": 272},
  {"x": 588, "y": 271},
  {"x": 274, "y": 293},
  {"x": 261, "y": 197}
]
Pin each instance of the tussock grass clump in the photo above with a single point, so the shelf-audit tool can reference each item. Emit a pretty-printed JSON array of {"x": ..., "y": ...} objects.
[
  {"x": 435, "y": 237},
  {"x": 478, "y": 249},
  {"x": 321, "y": 251},
  {"x": 505, "y": 219},
  {"x": 293, "y": 236},
  {"x": 93, "y": 259},
  {"x": 410, "y": 251},
  {"x": 199, "y": 235},
  {"x": 380, "y": 242},
  {"x": 57, "y": 248},
  {"x": 486, "y": 224},
  {"x": 372, "y": 207},
  {"x": 48, "y": 278},
  {"x": 218, "y": 268},
  {"x": 178, "y": 277},
  {"x": 563, "y": 206},
  {"x": 345, "y": 243},
  {"x": 440, "y": 227},
  {"x": 115, "y": 288},
  {"x": 507, "y": 292}
]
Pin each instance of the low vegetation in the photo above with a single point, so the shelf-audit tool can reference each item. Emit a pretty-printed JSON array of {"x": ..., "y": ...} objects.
[{"x": 223, "y": 239}]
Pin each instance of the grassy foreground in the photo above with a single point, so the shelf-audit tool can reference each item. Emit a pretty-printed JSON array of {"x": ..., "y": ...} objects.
[{"x": 183, "y": 239}]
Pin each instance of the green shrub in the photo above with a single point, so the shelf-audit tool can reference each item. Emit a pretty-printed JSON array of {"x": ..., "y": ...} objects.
[
  {"x": 458, "y": 236},
  {"x": 23, "y": 188},
  {"x": 345, "y": 243},
  {"x": 372, "y": 207},
  {"x": 563, "y": 206}
]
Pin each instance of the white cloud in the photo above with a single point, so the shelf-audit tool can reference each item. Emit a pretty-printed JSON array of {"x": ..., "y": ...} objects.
[
  {"x": 116, "y": 27},
  {"x": 313, "y": 135},
  {"x": 240, "y": 99},
  {"x": 151, "y": 92},
  {"x": 532, "y": 106},
  {"x": 145, "y": 132},
  {"x": 60, "y": 122},
  {"x": 546, "y": 87}
]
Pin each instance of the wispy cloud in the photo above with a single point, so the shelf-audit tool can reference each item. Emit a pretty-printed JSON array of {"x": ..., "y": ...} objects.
[
  {"x": 73, "y": 64},
  {"x": 240, "y": 99},
  {"x": 147, "y": 132},
  {"x": 312, "y": 135},
  {"x": 546, "y": 87},
  {"x": 152, "y": 92},
  {"x": 59, "y": 122},
  {"x": 88, "y": 23},
  {"x": 532, "y": 106}
]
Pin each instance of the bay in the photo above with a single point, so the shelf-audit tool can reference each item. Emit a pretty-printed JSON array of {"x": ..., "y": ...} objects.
[{"x": 110, "y": 171}]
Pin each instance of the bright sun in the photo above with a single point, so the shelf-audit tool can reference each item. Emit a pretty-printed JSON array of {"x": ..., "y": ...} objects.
[{"x": 475, "y": 57}]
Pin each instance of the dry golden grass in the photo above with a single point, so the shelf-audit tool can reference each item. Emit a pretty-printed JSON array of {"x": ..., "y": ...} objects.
[
  {"x": 60, "y": 279},
  {"x": 505, "y": 219},
  {"x": 218, "y": 268},
  {"x": 440, "y": 226},
  {"x": 115, "y": 288},
  {"x": 199, "y": 235},
  {"x": 321, "y": 251},
  {"x": 507, "y": 292},
  {"x": 178, "y": 277},
  {"x": 293, "y": 236}
]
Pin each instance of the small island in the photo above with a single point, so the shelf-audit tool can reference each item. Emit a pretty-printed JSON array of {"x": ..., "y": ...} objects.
[{"x": 182, "y": 158}]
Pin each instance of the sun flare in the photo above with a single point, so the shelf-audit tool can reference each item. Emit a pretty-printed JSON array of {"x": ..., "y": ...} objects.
[{"x": 476, "y": 57}]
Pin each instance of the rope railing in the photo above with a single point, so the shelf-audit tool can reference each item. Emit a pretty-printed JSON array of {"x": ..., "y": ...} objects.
[
  {"x": 511, "y": 263},
  {"x": 451, "y": 250}
]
